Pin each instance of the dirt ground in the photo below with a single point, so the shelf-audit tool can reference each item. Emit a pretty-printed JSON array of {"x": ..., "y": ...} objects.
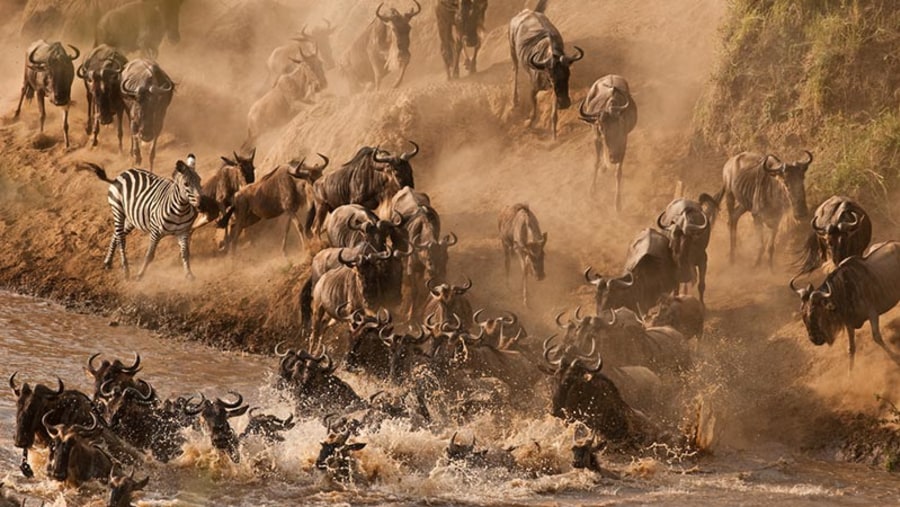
[{"x": 759, "y": 372}]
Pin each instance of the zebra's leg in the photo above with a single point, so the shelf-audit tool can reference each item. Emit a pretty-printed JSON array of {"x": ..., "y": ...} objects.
[
  {"x": 151, "y": 252},
  {"x": 184, "y": 243}
]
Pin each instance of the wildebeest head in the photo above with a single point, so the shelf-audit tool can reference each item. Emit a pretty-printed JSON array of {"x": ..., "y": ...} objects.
[
  {"x": 792, "y": 176},
  {"x": 310, "y": 173},
  {"x": 122, "y": 487},
  {"x": 369, "y": 269},
  {"x": 245, "y": 164},
  {"x": 402, "y": 348},
  {"x": 610, "y": 122},
  {"x": 171, "y": 12},
  {"x": 320, "y": 38},
  {"x": 447, "y": 292},
  {"x": 584, "y": 445},
  {"x": 689, "y": 226},
  {"x": 31, "y": 405},
  {"x": 819, "y": 312},
  {"x": 315, "y": 69},
  {"x": 399, "y": 166},
  {"x": 842, "y": 227},
  {"x": 152, "y": 89},
  {"x": 114, "y": 372},
  {"x": 532, "y": 254},
  {"x": 400, "y": 28},
  {"x": 611, "y": 293},
  {"x": 459, "y": 450},
  {"x": 64, "y": 440},
  {"x": 57, "y": 70},
  {"x": 334, "y": 456},
  {"x": 493, "y": 329},
  {"x": 433, "y": 255},
  {"x": 103, "y": 80},
  {"x": 121, "y": 399},
  {"x": 304, "y": 370},
  {"x": 187, "y": 181},
  {"x": 215, "y": 415},
  {"x": 556, "y": 67},
  {"x": 268, "y": 426},
  {"x": 470, "y": 19}
]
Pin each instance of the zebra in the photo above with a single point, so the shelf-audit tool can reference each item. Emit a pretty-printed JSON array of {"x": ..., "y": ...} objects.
[{"x": 156, "y": 205}]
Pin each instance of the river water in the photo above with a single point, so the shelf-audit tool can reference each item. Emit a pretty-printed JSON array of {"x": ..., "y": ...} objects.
[{"x": 399, "y": 466}]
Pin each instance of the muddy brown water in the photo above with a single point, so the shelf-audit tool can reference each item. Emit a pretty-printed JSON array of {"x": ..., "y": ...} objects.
[{"x": 41, "y": 340}]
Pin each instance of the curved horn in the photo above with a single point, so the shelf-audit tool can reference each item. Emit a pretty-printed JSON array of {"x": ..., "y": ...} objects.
[
  {"x": 80, "y": 72},
  {"x": 410, "y": 154},
  {"x": 579, "y": 54},
  {"x": 475, "y": 317},
  {"x": 90, "y": 365},
  {"x": 136, "y": 365},
  {"x": 463, "y": 288},
  {"x": 821, "y": 231},
  {"x": 827, "y": 295},
  {"x": 548, "y": 350},
  {"x": 850, "y": 226},
  {"x": 378, "y": 14},
  {"x": 106, "y": 390},
  {"x": 595, "y": 368},
  {"x": 612, "y": 320},
  {"x": 540, "y": 65},
  {"x": 60, "y": 387},
  {"x": 77, "y": 52},
  {"x": 618, "y": 109},
  {"x": 31, "y": 59},
  {"x": 809, "y": 157},
  {"x": 586, "y": 116},
  {"x": 235, "y": 404},
  {"x": 413, "y": 12},
  {"x": 278, "y": 353},
  {"x": 622, "y": 283},
  {"x": 659, "y": 222},
  {"x": 87, "y": 429},
  {"x": 382, "y": 160},
  {"x": 349, "y": 263},
  {"x": 559, "y": 316},
  {"x": 593, "y": 280},
  {"x": 340, "y": 310},
  {"x": 802, "y": 292},
  {"x": 778, "y": 169},
  {"x": 510, "y": 319},
  {"x": 194, "y": 409},
  {"x": 432, "y": 287},
  {"x": 450, "y": 239},
  {"x": 12, "y": 384},
  {"x": 54, "y": 430},
  {"x": 690, "y": 228},
  {"x": 325, "y": 162},
  {"x": 329, "y": 364}
]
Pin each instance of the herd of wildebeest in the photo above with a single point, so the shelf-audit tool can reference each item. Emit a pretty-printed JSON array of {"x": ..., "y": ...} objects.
[{"x": 378, "y": 278}]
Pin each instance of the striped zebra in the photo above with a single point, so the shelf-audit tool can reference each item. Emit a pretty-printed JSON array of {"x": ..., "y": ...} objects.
[{"x": 159, "y": 206}]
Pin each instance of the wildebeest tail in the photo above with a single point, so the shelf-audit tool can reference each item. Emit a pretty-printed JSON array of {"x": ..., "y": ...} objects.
[
  {"x": 306, "y": 305},
  {"x": 710, "y": 206},
  {"x": 809, "y": 257},
  {"x": 90, "y": 166},
  {"x": 541, "y": 6}
]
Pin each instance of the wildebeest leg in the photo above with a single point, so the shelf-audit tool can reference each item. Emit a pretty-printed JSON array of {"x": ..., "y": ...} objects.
[
  {"x": 851, "y": 344},
  {"x": 472, "y": 65},
  {"x": 90, "y": 114},
  {"x": 598, "y": 160},
  {"x": 151, "y": 252},
  {"x": 135, "y": 146},
  {"x": 25, "y": 88},
  {"x": 761, "y": 233},
  {"x": 66, "y": 124},
  {"x": 554, "y": 118},
  {"x": 457, "y": 49},
  {"x": 534, "y": 109},
  {"x": 119, "y": 116},
  {"x": 184, "y": 243},
  {"x": 515, "y": 80},
  {"x": 400, "y": 78},
  {"x": 525, "y": 287},
  {"x": 506, "y": 255},
  {"x": 771, "y": 247},
  {"x": 619, "y": 187},
  {"x": 41, "y": 108},
  {"x": 701, "y": 277},
  {"x": 153, "y": 152},
  {"x": 876, "y": 335}
]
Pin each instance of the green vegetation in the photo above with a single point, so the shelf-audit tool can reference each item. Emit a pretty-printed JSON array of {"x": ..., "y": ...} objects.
[{"x": 822, "y": 75}]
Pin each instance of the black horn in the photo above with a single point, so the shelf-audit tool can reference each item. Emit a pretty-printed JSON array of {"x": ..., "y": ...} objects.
[{"x": 410, "y": 154}]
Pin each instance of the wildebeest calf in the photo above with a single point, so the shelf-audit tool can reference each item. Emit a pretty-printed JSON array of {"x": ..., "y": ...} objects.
[{"x": 521, "y": 233}]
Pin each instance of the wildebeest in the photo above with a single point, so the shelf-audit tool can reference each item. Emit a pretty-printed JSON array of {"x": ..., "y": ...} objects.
[
  {"x": 122, "y": 487},
  {"x": 447, "y": 303},
  {"x": 371, "y": 178},
  {"x": 74, "y": 457},
  {"x": 460, "y": 26},
  {"x": 102, "y": 75},
  {"x": 859, "y": 289},
  {"x": 351, "y": 225},
  {"x": 147, "y": 92},
  {"x": 688, "y": 225},
  {"x": 484, "y": 458},
  {"x": 584, "y": 449},
  {"x": 135, "y": 415},
  {"x": 217, "y": 193},
  {"x": 116, "y": 372},
  {"x": 268, "y": 426},
  {"x": 611, "y": 110},
  {"x": 158, "y": 206},
  {"x": 581, "y": 392},
  {"x": 684, "y": 313},
  {"x": 290, "y": 91},
  {"x": 537, "y": 46},
  {"x": 33, "y": 404},
  {"x": 215, "y": 415},
  {"x": 383, "y": 46},
  {"x": 650, "y": 272},
  {"x": 501, "y": 333},
  {"x": 283, "y": 191},
  {"x": 840, "y": 228},
  {"x": 49, "y": 72},
  {"x": 280, "y": 60},
  {"x": 520, "y": 233},
  {"x": 752, "y": 183},
  {"x": 334, "y": 456},
  {"x": 317, "y": 389},
  {"x": 140, "y": 26}
]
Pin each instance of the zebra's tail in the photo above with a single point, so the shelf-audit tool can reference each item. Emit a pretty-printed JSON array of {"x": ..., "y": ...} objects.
[
  {"x": 90, "y": 166},
  {"x": 541, "y": 6}
]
